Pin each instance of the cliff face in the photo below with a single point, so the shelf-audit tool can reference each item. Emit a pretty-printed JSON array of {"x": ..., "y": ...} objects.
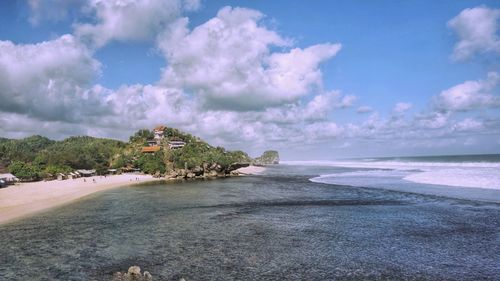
[{"x": 268, "y": 157}]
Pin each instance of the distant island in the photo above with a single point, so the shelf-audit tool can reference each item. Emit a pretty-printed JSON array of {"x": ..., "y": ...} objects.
[{"x": 161, "y": 152}]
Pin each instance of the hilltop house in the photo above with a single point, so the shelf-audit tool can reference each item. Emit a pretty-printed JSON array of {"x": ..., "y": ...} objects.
[
  {"x": 176, "y": 144},
  {"x": 152, "y": 142},
  {"x": 159, "y": 132}
]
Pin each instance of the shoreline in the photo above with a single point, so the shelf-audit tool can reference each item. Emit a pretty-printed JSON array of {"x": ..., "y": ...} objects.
[
  {"x": 25, "y": 199},
  {"x": 251, "y": 170}
]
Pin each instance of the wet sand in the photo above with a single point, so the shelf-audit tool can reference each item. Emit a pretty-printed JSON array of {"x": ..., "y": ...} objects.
[{"x": 24, "y": 199}]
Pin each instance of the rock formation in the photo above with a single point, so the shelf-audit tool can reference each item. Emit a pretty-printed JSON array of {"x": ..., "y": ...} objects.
[
  {"x": 133, "y": 274},
  {"x": 268, "y": 157}
]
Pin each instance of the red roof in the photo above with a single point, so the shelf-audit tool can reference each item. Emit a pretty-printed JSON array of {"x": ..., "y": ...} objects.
[
  {"x": 150, "y": 149},
  {"x": 160, "y": 128}
]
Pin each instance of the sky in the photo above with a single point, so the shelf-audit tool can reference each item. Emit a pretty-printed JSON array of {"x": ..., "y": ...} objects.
[{"x": 315, "y": 80}]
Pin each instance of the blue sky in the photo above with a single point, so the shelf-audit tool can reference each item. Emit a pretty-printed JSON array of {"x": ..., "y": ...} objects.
[{"x": 397, "y": 61}]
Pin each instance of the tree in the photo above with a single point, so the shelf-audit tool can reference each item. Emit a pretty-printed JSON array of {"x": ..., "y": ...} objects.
[{"x": 24, "y": 171}]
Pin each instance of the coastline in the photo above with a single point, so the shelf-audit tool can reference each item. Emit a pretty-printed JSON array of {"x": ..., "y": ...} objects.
[
  {"x": 26, "y": 199},
  {"x": 251, "y": 170}
]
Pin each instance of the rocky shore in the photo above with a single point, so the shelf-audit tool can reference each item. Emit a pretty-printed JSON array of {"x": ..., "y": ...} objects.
[{"x": 214, "y": 170}]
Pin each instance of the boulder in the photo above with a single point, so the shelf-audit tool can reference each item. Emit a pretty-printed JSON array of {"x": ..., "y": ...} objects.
[
  {"x": 133, "y": 274},
  {"x": 181, "y": 173},
  {"x": 190, "y": 175},
  {"x": 198, "y": 171},
  {"x": 211, "y": 174},
  {"x": 173, "y": 174}
]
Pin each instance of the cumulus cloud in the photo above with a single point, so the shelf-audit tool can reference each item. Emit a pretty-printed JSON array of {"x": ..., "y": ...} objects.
[
  {"x": 228, "y": 62},
  {"x": 48, "y": 80},
  {"x": 402, "y": 107},
  {"x": 477, "y": 30},
  {"x": 130, "y": 20},
  {"x": 470, "y": 95},
  {"x": 231, "y": 80},
  {"x": 432, "y": 120},
  {"x": 322, "y": 130},
  {"x": 49, "y": 88},
  {"x": 468, "y": 124},
  {"x": 317, "y": 109}
]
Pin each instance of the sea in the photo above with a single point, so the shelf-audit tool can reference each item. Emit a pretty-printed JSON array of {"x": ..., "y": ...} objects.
[
  {"x": 406, "y": 218},
  {"x": 461, "y": 176}
]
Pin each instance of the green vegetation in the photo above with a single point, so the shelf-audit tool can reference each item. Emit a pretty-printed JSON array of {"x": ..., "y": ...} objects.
[
  {"x": 151, "y": 164},
  {"x": 22, "y": 150},
  {"x": 38, "y": 157},
  {"x": 268, "y": 157},
  {"x": 25, "y": 171},
  {"x": 35, "y": 157}
]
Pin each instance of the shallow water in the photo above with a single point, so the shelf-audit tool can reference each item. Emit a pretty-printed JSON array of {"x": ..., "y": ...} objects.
[{"x": 279, "y": 226}]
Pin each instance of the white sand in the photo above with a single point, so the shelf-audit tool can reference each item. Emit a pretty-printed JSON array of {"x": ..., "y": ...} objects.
[
  {"x": 251, "y": 170},
  {"x": 24, "y": 199}
]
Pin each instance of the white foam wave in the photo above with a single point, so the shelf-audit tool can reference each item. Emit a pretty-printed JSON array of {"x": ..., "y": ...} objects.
[
  {"x": 395, "y": 165},
  {"x": 460, "y": 174}
]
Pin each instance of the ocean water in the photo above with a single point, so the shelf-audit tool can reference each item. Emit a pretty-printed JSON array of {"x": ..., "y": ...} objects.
[
  {"x": 463, "y": 176},
  {"x": 278, "y": 226}
]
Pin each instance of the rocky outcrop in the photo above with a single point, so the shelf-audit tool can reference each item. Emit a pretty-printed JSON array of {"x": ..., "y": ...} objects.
[
  {"x": 207, "y": 170},
  {"x": 268, "y": 157},
  {"x": 133, "y": 274}
]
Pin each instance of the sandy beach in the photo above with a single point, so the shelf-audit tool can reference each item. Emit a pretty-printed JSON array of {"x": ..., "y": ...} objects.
[
  {"x": 24, "y": 199},
  {"x": 251, "y": 170},
  {"x": 27, "y": 198}
]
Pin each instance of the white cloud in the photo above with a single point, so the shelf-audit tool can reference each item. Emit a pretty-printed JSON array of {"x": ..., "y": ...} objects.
[
  {"x": 364, "y": 109},
  {"x": 477, "y": 29},
  {"x": 322, "y": 130},
  {"x": 229, "y": 64},
  {"x": 432, "y": 120},
  {"x": 470, "y": 95},
  {"x": 317, "y": 109},
  {"x": 402, "y": 107},
  {"x": 48, "y": 80},
  {"x": 468, "y": 124},
  {"x": 129, "y": 20},
  {"x": 347, "y": 101},
  {"x": 230, "y": 80}
]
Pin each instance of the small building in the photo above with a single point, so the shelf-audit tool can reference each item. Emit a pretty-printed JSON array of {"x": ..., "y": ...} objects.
[
  {"x": 176, "y": 144},
  {"x": 112, "y": 171},
  {"x": 154, "y": 142},
  {"x": 159, "y": 132},
  {"x": 73, "y": 175},
  {"x": 86, "y": 173},
  {"x": 150, "y": 149},
  {"x": 61, "y": 177}
]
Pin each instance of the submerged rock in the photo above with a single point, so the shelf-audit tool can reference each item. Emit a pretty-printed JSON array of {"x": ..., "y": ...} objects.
[{"x": 133, "y": 274}]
